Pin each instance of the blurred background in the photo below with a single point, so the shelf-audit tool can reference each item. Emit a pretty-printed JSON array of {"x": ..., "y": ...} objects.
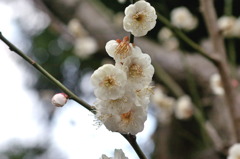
[
  {"x": 32, "y": 128},
  {"x": 67, "y": 38}
]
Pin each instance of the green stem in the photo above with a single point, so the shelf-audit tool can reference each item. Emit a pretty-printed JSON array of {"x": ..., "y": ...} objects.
[
  {"x": 133, "y": 141},
  {"x": 228, "y": 7},
  {"x": 131, "y": 35},
  {"x": 46, "y": 74},
  {"x": 196, "y": 99},
  {"x": 168, "y": 81},
  {"x": 131, "y": 38},
  {"x": 201, "y": 120},
  {"x": 186, "y": 39},
  {"x": 191, "y": 83}
]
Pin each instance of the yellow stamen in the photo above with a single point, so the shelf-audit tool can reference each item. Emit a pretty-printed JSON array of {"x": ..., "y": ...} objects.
[
  {"x": 126, "y": 117},
  {"x": 135, "y": 70}
]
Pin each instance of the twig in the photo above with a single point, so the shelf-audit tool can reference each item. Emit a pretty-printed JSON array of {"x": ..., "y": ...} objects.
[
  {"x": 228, "y": 7},
  {"x": 187, "y": 40},
  {"x": 168, "y": 80},
  {"x": 216, "y": 139},
  {"x": 133, "y": 141},
  {"x": 46, "y": 74},
  {"x": 210, "y": 17}
]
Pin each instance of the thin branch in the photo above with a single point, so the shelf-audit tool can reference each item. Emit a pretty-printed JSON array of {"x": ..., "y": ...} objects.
[
  {"x": 228, "y": 7},
  {"x": 130, "y": 138},
  {"x": 46, "y": 74},
  {"x": 209, "y": 14},
  {"x": 168, "y": 80},
  {"x": 131, "y": 38},
  {"x": 210, "y": 17},
  {"x": 216, "y": 139},
  {"x": 187, "y": 40},
  {"x": 133, "y": 141}
]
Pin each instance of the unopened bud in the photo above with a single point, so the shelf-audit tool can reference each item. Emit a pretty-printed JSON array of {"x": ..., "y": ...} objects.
[{"x": 59, "y": 99}]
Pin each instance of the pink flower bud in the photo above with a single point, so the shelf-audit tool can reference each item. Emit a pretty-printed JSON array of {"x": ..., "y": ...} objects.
[{"x": 59, "y": 99}]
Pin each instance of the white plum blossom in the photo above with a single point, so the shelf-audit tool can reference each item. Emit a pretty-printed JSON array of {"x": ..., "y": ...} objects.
[
  {"x": 226, "y": 25},
  {"x": 121, "y": 1},
  {"x": 118, "y": 106},
  {"x": 118, "y": 154},
  {"x": 168, "y": 40},
  {"x": 216, "y": 84},
  {"x": 109, "y": 82},
  {"x": 165, "y": 34},
  {"x": 120, "y": 50},
  {"x": 237, "y": 28},
  {"x": 76, "y": 28},
  {"x": 59, "y": 99},
  {"x": 164, "y": 103},
  {"x": 85, "y": 46},
  {"x": 139, "y": 71},
  {"x": 143, "y": 96},
  {"x": 234, "y": 151},
  {"x": 183, "y": 108},
  {"x": 131, "y": 121},
  {"x": 182, "y": 18},
  {"x": 139, "y": 18}
]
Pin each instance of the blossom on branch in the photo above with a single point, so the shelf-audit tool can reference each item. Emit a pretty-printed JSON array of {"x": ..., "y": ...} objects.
[
  {"x": 229, "y": 26},
  {"x": 118, "y": 154},
  {"x": 123, "y": 90},
  {"x": 234, "y": 152},
  {"x": 120, "y": 50},
  {"x": 216, "y": 84},
  {"x": 132, "y": 121},
  {"x": 183, "y": 108},
  {"x": 109, "y": 82},
  {"x": 139, "y": 18},
  {"x": 139, "y": 71},
  {"x": 182, "y": 18},
  {"x": 59, "y": 99}
]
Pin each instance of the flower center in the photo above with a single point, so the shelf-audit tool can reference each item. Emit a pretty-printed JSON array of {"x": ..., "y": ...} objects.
[
  {"x": 138, "y": 16},
  {"x": 109, "y": 81},
  {"x": 123, "y": 49},
  {"x": 135, "y": 70},
  {"x": 126, "y": 116}
]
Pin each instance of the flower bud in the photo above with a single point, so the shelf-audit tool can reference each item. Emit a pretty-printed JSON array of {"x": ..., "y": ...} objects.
[{"x": 59, "y": 99}]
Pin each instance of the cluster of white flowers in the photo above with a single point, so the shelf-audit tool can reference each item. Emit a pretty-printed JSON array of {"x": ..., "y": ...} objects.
[
  {"x": 84, "y": 45},
  {"x": 234, "y": 152},
  {"x": 123, "y": 89},
  {"x": 139, "y": 18},
  {"x": 118, "y": 154},
  {"x": 229, "y": 26},
  {"x": 182, "y": 18},
  {"x": 216, "y": 84}
]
